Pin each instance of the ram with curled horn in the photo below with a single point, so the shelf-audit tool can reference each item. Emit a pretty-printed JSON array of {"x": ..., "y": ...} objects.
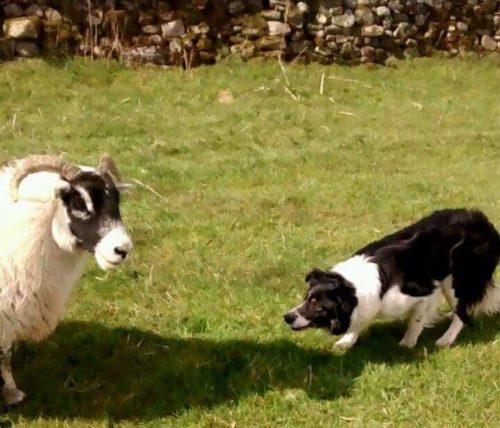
[{"x": 52, "y": 215}]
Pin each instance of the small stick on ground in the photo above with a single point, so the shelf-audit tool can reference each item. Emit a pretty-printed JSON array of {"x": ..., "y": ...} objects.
[
  {"x": 153, "y": 191},
  {"x": 441, "y": 34},
  {"x": 299, "y": 55},
  {"x": 345, "y": 79},
  {"x": 418, "y": 105},
  {"x": 10, "y": 83},
  {"x": 283, "y": 70},
  {"x": 321, "y": 86},
  {"x": 289, "y": 92},
  {"x": 442, "y": 115}
]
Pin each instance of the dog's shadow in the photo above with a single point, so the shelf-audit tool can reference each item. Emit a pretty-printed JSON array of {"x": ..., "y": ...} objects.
[{"x": 87, "y": 370}]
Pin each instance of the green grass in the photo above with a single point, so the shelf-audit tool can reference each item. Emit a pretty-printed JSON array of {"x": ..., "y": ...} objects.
[{"x": 255, "y": 193}]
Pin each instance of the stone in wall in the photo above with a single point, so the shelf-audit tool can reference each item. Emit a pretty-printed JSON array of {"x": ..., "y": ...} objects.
[
  {"x": 7, "y": 48},
  {"x": 22, "y": 28}
]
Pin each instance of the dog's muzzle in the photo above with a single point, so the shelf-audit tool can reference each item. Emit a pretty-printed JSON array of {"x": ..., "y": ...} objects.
[{"x": 295, "y": 320}]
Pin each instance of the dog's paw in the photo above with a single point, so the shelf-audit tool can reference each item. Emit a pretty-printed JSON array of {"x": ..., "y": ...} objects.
[
  {"x": 444, "y": 341},
  {"x": 406, "y": 343},
  {"x": 342, "y": 345},
  {"x": 346, "y": 341}
]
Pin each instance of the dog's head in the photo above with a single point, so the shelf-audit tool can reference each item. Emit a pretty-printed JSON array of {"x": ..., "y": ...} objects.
[{"x": 328, "y": 304}]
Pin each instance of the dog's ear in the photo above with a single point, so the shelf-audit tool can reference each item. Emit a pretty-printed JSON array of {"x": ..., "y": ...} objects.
[
  {"x": 315, "y": 274},
  {"x": 344, "y": 295}
]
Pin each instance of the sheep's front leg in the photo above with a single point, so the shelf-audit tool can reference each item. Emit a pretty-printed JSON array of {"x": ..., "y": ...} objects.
[{"x": 10, "y": 393}]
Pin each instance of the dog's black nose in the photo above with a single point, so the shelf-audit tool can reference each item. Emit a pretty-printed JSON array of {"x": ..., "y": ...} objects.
[{"x": 290, "y": 317}]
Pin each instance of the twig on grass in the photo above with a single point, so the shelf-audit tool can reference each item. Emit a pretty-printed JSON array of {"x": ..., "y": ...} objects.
[
  {"x": 153, "y": 191},
  {"x": 345, "y": 79},
  {"x": 10, "y": 83},
  {"x": 187, "y": 59},
  {"x": 441, "y": 34},
  {"x": 289, "y": 92},
  {"x": 283, "y": 69},
  {"x": 345, "y": 418},
  {"x": 321, "y": 86},
  {"x": 287, "y": 87},
  {"x": 299, "y": 55},
  {"x": 418, "y": 105},
  {"x": 442, "y": 115}
]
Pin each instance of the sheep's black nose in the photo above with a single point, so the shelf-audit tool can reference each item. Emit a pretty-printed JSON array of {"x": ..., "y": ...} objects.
[
  {"x": 122, "y": 252},
  {"x": 290, "y": 317}
]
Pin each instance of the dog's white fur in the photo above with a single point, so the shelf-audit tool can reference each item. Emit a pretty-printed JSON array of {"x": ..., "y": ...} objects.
[{"x": 364, "y": 275}]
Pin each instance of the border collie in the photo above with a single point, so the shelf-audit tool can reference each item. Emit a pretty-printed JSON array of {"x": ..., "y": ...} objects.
[{"x": 452, "y": 252}]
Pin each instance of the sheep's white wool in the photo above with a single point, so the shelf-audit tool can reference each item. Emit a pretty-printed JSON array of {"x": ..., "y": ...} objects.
[
  {"x": 105, "y": 252},
  {"x": 36, "y": 275}
]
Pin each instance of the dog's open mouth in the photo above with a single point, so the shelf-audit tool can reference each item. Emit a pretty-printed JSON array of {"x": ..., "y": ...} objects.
[{"x": 299, "y": 327}]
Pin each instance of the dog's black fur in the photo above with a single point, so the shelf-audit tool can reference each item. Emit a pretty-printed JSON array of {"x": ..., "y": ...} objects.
[{"x": 330, "y": 301}]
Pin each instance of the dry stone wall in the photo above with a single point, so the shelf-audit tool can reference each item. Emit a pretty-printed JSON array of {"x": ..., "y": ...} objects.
[{"x": 191, "y": 32}]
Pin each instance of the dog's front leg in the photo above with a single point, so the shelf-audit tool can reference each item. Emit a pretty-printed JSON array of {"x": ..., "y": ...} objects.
[{"x": 347, "y": 340}]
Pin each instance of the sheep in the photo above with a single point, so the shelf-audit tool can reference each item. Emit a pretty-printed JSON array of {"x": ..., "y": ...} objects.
[{"x": 52, "y": 214}]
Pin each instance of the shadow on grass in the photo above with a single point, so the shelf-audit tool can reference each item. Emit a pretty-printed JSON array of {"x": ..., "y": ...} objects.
[{"x": 90, "y": 371}]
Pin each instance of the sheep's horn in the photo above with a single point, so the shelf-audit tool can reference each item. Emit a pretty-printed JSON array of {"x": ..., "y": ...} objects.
[
  {"x": 107, "y": 165},
  {"x": 37, "y": 163}
]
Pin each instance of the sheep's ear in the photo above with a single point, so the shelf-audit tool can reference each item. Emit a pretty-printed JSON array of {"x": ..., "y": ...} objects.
[
  {"x": 62, "y": 188},
  {"x": 124, "y": 187}
]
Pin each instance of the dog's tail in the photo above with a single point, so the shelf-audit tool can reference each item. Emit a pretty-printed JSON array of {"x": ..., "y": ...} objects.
[{"x": 490, "y": 303}]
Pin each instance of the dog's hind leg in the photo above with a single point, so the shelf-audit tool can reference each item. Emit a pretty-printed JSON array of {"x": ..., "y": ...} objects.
[
  {"x": 459, "y": 314},
  {"x": 449, "y": 293},
  {"x": 424, "y": 313},
  {"x": 451, "y": 334}
]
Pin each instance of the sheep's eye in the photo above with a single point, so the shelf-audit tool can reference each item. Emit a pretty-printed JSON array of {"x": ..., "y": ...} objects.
[{"x": 78, "y": 204}]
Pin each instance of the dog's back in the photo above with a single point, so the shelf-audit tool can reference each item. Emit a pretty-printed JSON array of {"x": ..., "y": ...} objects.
[{"x": 472, "y": 224}]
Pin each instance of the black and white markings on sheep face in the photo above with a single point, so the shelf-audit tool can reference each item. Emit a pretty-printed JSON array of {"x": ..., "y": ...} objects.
[
  {"x": 328, "y": 304},
  {"x": 92, "y": 205}
]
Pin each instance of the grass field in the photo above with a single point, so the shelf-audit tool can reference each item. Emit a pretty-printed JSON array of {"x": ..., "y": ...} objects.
[{"x": 247, "y": 197}]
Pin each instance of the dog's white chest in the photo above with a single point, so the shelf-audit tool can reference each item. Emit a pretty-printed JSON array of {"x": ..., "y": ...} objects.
[{"x": 396, "y": 304}]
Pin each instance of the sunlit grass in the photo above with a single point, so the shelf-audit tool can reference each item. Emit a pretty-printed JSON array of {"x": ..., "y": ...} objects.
[{"x": 252, "y": 195}]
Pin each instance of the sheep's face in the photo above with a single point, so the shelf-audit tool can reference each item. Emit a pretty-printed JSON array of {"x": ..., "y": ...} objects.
[{"x": 89, "y": 218}]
